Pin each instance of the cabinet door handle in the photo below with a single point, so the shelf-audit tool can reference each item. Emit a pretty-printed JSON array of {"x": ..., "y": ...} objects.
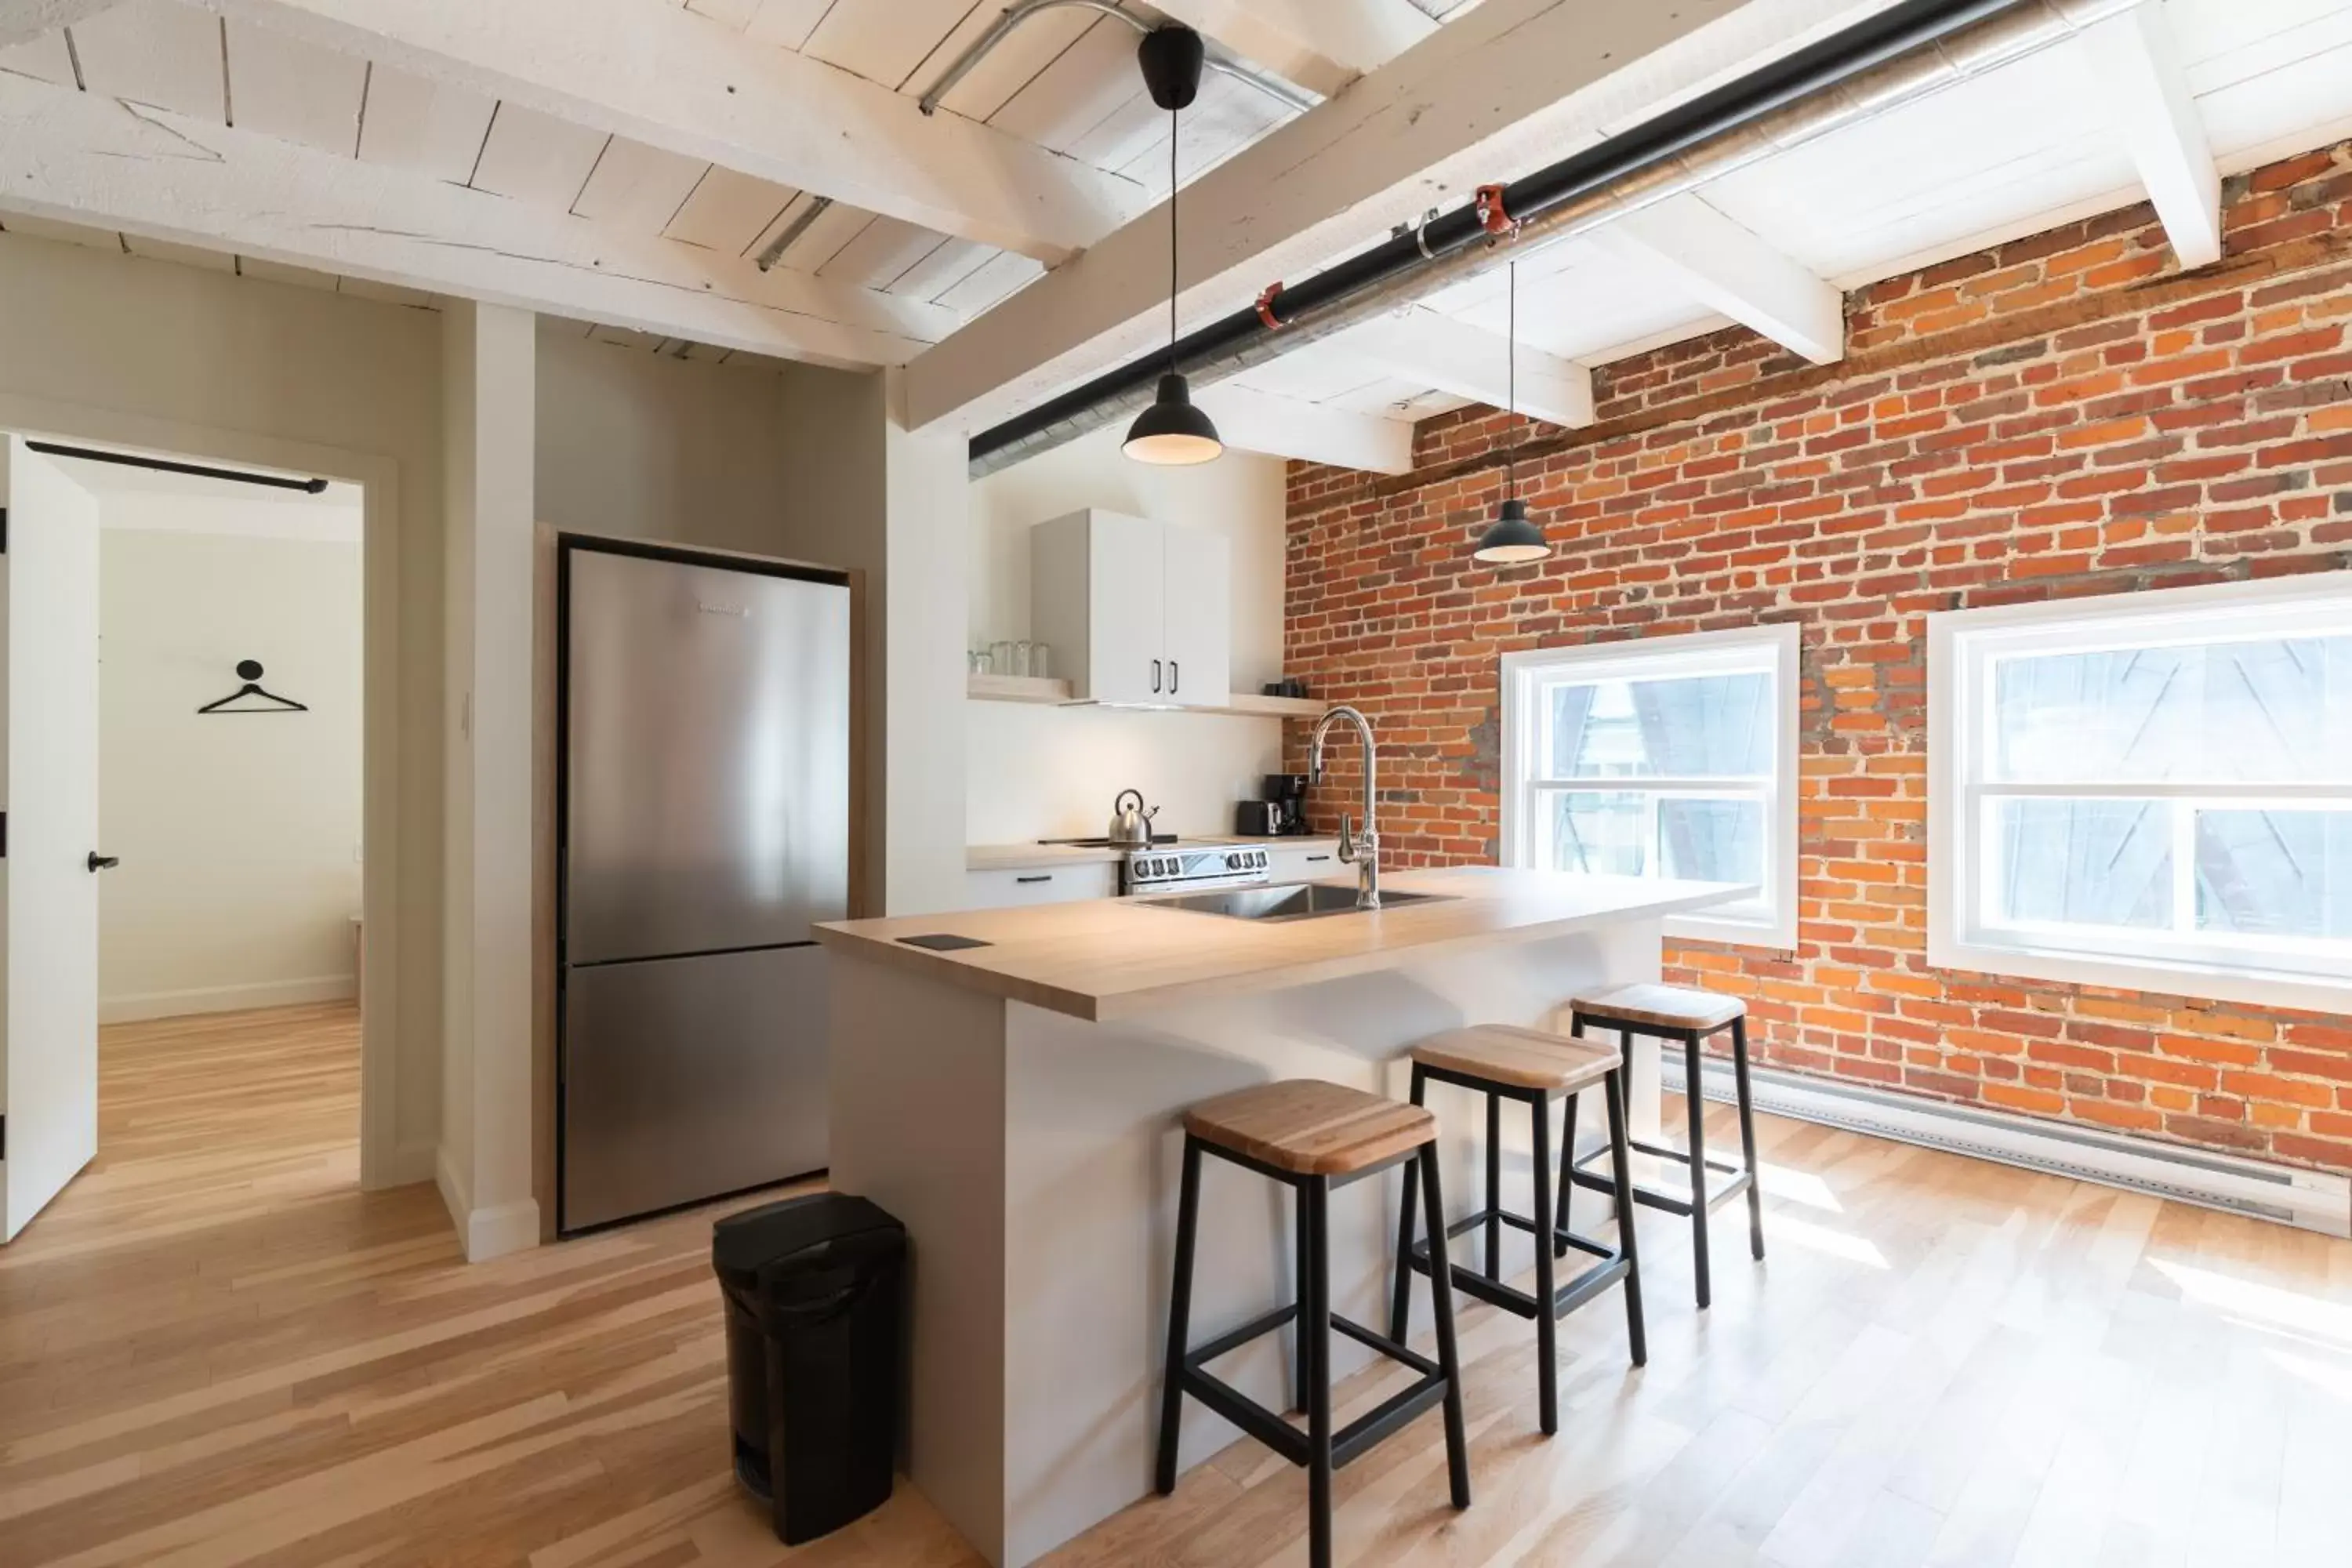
[
  {"x": 1313, "y": 858},
  {"x": 1171, "y": 677},
  {"x": 1040, "y": 877},
  {"x": 1155, "y": 675}
]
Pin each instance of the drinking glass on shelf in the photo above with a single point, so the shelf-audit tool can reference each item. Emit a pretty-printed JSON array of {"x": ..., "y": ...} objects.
[
  {"x": 1000, "y": 658},
  {"x": 980, "y": 663},
  {"x": 1021, "y": 656},
  {"x": 1041, "y": 661}
]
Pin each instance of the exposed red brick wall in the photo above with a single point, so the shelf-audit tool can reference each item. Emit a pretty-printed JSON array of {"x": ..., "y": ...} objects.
[{"x": 2063, "y": 414}]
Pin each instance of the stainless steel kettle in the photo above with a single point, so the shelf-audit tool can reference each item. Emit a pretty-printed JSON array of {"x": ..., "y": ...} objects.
[{"x": 1130, "y": 825}]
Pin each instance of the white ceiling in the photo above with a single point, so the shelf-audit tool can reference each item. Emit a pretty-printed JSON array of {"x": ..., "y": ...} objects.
[{"x": 2009, "y": 153}]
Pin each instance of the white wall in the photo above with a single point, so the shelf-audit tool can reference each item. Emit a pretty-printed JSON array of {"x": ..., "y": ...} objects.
[
  {"x": 488, "y": 408},
  {"x": 143, "y": 352},
  {"x": 1038, "y": 772},
  {"x": 239, "y": 834}
]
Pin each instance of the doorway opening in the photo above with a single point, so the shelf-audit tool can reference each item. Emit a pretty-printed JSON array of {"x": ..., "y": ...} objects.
[{"x": 184, "y": 681}]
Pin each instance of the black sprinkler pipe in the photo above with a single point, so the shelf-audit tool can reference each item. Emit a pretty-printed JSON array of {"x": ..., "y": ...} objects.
[{"x": 1824, "y": 64}]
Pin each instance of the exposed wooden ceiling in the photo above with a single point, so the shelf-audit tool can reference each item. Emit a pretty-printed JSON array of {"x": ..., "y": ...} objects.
[{"x": 1010, "y": 244}]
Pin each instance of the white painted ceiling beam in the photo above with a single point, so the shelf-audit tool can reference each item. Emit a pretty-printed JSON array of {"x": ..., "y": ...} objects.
[
  {"x": 1322, "y": 45},
  {"x": 661, "y": 75},
  {"x": 86, "y": 159},
  {"x": 1510, "y": 86},
  {"x": 2138, "y": 68},
  {"x": 1283, "y": 426},
  {"x": 1730, "y": 271},
  {"x": 22, "y": 21},
  {"x": 1464, "y": 361}
]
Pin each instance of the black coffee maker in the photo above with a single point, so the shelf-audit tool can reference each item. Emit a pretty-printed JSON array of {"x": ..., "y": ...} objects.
[{"x": 1280, "y": 811}]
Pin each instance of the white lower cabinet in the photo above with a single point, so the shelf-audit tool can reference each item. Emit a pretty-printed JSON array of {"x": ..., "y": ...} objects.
[{"x": 1015, "y": 886}]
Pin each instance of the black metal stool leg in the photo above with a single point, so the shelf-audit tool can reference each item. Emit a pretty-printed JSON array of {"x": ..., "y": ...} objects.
[
  {"x": 1447, "y": 1355},
  {"x": 1316, "y": 1325},
  {"x": 1547, "y": 1311},
  {"x": 1566, "y": 1182},
  {"x": 1494, "y": 1186},
  {"x": 1694, "y": 1103},
  {"x": 1621, "y": 1171},
  {"x": 1298, "y": 1242},
  {"x": 1180, "y": 1309},
  {"x": 1748, "y": 1138},
  {"x": 1449, "y": 1358},
  {"x": 1400, "y": 1299}
]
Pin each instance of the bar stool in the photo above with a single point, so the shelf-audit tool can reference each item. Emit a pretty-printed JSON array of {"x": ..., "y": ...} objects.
[
  {"x": 1311, "y": 1136},
  {"x": 1530, "y": 1066},
  {"x": 1686, "y": 1014}
]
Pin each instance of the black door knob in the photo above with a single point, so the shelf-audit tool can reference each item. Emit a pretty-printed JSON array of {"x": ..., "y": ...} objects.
[{"x": 98, "y": 862}]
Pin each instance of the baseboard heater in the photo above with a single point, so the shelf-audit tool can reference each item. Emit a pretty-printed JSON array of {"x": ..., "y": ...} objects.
[{"x": 2314, "y": 1200}]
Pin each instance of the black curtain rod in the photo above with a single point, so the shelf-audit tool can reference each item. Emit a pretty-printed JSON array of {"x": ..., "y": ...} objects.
[{"x": 128, "y": 460}]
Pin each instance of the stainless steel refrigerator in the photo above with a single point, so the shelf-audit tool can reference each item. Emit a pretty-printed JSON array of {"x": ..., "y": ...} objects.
[{"x": 705, "y": 827}]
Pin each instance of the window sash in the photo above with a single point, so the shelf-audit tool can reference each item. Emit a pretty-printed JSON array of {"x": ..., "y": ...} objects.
[
  {"x": 2240, "y": 966},
  {"x": 1528, "y": 682}
]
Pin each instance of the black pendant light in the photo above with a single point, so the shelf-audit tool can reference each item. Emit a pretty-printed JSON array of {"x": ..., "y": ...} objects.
[
  {"x": 1172, "y": 432},
  {"x": 1511, "y": 540}
]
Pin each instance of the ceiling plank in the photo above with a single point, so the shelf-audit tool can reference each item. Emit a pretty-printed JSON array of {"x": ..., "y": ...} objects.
[
  {"x": 1282, "y": 426},
  {"x": 670, "y": 78},
  {"x": 2138, "y": 66},
  {"x": 21, "y": 21},
  {"x": 1464, "y": 361},
  {"x": 1728, "y": 268},
  {"x": 82, "y": 158},
  {"x": 1319, "y": 44},
  {"x": 1510, "y": 86}
]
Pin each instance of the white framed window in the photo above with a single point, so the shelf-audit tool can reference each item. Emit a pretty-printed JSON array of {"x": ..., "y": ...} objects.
[
  {"x": 1670, "y": 757},
  {"x": 2149, "y": 790}
]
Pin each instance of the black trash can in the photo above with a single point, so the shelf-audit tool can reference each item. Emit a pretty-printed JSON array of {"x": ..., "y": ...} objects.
[{"x": 814, "y": 1290}]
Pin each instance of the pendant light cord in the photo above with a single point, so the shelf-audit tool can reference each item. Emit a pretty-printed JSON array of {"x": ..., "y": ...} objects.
[
  {"x": 1511, "y": 386},
  {"x": 1171, "y": 242}
]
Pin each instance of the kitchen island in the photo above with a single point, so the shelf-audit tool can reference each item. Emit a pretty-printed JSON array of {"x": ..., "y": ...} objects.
[{"x": 1016, "y": 1104}]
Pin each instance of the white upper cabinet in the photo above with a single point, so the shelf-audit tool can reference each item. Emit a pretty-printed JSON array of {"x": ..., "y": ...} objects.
[{"x": 1135, "y": 611}]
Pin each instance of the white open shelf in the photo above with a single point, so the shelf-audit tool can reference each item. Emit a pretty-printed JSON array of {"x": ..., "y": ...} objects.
[{"x": 1031, "y": 689}]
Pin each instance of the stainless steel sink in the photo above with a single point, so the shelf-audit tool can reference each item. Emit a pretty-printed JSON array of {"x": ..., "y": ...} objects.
[{"x": 1284, "y": 901}]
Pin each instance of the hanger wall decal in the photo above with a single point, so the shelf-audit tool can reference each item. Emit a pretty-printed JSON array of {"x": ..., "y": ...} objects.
[{"x": 249, "y": 671}]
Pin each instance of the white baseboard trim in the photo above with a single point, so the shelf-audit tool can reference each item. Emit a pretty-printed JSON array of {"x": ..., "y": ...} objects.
[
  {"x": 143, "y": 1005},
  {"x": 487, "y": 1233},
  {"x": 2312, "y": 1200}
]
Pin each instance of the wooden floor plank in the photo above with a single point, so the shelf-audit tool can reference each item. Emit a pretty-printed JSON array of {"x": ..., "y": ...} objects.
[{"x": 215, "y": 1349}]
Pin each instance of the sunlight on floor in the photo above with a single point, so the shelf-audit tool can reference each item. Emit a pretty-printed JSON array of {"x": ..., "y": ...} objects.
[
  {"x": 1798, "y": 1187},
  {"x": 1821, "y": 1238},
  {"x": 2261, "y": 1306}
]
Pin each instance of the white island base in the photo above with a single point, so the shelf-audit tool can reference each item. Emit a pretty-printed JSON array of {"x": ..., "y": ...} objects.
[{"x": 1034, "y": 1154}]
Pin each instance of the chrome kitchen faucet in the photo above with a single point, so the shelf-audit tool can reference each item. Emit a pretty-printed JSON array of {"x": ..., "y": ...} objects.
[{"x": 1362, "y": 849}]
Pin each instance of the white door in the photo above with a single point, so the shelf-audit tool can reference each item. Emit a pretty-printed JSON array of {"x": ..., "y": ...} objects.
[
  {"x": 48, "y": 887},
  {"x": 1126, "y": 661},
  {"x": 1196, "y": 568}
]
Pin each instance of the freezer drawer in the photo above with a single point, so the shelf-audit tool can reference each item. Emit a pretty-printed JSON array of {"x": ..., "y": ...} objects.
[{"x": 687, "y": 1077}]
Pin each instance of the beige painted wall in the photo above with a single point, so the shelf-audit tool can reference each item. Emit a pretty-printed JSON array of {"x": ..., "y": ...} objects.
[
  {"x": 239, "y": 834},
  {"x": 145, "y": 353},
  {"x": 1038, "y": 772}
]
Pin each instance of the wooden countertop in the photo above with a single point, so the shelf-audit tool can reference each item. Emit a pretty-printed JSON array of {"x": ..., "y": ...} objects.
[{"x": 1104, "y": 958}]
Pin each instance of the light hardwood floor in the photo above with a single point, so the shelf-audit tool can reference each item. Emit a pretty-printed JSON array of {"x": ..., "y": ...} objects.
[{"x": 214, "y": 1348}]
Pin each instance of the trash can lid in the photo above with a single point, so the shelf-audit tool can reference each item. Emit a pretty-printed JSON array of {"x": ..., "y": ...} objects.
[{"x": 742, "y": 1244}]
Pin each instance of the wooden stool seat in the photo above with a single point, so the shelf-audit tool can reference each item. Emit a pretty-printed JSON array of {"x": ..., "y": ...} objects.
[
  {"x": 1522, "y": 1058},
  {"x": 1310, "y": 1128},
  {"x": 1663, "y": 1006}
]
